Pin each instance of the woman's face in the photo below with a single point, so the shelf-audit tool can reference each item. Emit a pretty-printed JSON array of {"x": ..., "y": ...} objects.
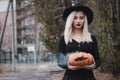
[{"x": 79, "y": 19}]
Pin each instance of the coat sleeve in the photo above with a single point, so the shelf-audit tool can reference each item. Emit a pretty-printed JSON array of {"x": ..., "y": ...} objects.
[
  {"x": 96, "y": 52},
  {"x": 62, "y": 58}
]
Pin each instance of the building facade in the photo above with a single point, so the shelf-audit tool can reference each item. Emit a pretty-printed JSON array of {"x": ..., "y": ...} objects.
[
  {"x": 28, "y": 47},
  {"x": 28, "y": 29}
]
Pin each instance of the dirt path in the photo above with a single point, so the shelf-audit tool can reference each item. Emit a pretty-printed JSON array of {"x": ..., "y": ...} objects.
[
  {"x": 30, "y": 72},
  {"x": 45, "y": 71}
]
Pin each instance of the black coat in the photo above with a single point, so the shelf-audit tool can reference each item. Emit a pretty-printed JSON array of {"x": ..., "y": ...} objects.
[{"x": 63, "y": 56}]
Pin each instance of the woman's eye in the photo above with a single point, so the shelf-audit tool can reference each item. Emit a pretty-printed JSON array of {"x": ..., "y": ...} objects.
[
  {"x": 81, "y": 17},
  {"x": 75, "y": 17}
]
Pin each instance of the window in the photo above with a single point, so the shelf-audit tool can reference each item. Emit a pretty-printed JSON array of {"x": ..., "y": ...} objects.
[
  {"x": 29, "y": 21},
  {"x": 30, "y": 39}
]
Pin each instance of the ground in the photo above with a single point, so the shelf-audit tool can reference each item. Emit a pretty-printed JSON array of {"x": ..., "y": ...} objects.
[{"x": 43, "y": 71}]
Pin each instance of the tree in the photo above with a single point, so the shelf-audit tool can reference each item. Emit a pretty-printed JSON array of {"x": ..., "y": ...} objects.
[
  {"x": 49, "y": 14},
  {"x": 115, "y": 9},
  {"x": 106, "y": 30}
]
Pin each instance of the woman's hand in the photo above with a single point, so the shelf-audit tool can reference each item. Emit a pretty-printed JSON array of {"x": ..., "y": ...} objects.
[{"x": 92, "y": 66}]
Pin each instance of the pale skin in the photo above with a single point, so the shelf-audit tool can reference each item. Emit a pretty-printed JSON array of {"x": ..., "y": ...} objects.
[{"x": 77, "y": 27}]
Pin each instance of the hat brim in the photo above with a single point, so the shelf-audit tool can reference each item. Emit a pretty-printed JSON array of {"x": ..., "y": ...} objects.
[{"x": 88, "y": 12}]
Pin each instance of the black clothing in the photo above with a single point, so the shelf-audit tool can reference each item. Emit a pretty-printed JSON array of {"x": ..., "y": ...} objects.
[{"x": 72, "y": 47}]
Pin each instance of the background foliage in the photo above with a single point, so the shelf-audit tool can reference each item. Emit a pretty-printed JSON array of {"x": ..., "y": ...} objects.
[
  {"x": 107, "y": 33},
  {"x": 49, "y": 14}
]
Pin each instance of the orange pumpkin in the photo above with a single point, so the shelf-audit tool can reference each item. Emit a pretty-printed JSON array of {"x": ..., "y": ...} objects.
[{"x": 81, "y": 59}]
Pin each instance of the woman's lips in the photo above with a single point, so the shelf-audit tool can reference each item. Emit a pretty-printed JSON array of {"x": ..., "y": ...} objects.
[{"x": 78, "y": 24}]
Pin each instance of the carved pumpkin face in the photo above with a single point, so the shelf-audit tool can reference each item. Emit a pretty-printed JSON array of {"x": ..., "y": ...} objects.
[{"x": 80, "y": 59}]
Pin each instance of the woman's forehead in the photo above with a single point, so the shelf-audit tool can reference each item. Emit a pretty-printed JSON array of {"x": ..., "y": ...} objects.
[{"x": 79, "y": 13}]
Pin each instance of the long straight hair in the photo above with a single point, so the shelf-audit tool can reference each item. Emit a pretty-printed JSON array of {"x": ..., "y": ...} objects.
[{"x": 68, "y": 32}]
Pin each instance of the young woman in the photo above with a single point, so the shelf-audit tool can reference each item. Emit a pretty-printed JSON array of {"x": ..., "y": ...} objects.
[{"x": 78, "y": 39}]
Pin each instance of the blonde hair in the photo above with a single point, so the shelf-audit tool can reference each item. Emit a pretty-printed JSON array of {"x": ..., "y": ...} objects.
[{"x": 68, "y": 32}]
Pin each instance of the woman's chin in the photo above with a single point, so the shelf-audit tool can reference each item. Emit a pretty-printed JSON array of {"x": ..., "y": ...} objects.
[{"x": 78, "y": 27}]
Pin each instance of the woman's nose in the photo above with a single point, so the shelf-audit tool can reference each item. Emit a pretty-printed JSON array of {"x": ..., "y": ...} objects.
[{"x": 78, "y": 20}]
